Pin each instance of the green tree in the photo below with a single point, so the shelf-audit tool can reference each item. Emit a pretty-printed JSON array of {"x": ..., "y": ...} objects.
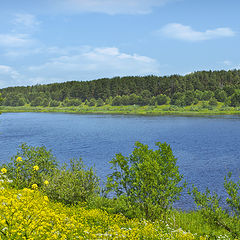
[
  {"x": 117, "y": 101},
  {"x": 100, "y": 102},
  {"x": 213, "y": 102},
  {"x": 92, "y": 102},
  {"x": 148, "y": 180},
  {"x": 54, "y": 103},
  {"x": 45, "y": 102},
  {"x": 235, "y": 98},
  {"x": 220, "y": 95},
  {"x": 190, "y": 98},
  {"x": 178, "y": 99},
  {"x": 36, "y": 102},
  {"x": 145, "y": 97},
  {"x": 162, "y": 99}
]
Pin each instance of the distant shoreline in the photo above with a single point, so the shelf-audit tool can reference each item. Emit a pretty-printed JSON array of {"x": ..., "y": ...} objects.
[{"x": 127, "y": 110}]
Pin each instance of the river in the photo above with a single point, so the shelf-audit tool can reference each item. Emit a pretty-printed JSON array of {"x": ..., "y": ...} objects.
[{"x": 206, "y": 147}]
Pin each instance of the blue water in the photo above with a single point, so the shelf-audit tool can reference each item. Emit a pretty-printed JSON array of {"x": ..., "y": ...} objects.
[{"x": 206, "y": 147}]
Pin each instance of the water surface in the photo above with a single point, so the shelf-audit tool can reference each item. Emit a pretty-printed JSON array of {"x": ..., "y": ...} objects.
[{"x": 206, "y": 147}]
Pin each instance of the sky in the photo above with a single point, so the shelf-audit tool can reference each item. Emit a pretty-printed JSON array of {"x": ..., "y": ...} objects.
[{"x": 47, "y": 41}]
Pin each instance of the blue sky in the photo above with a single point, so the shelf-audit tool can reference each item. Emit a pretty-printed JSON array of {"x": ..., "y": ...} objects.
[{"x": 63, "y": 40}]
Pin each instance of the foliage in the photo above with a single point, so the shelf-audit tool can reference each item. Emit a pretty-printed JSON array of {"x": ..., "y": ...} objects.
[
  {"x": 213, "y": 102},
  {"x": 36, "y": 165},
  {"x": 212, "y": 211},
  {"x": 54, "y": 103},
  {"x": 30, "y": 165},
  {"x": 147, "y": 179},
  {"x": 235, "y": 99},
  {"x": 28, "y": 214},
  {"x": 72, "y": 184},
  {"x": 130, "y": 90}
]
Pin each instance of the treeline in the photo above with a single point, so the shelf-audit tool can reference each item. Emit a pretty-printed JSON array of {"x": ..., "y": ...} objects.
[{"x": 212, "y": 86}]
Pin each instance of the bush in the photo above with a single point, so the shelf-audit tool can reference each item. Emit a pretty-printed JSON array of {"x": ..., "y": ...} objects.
[
  {"x": 214, "y": 213},
  {"x": 36, "y": 167},
  {"x": 31, "y": 165},
  {"x": 148, "y": 180},
  {"x": 73, "y": 184}
]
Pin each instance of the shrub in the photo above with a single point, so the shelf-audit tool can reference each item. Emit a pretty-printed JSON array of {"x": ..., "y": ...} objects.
[
  {"x": 214, "y": 213},
  {"x": 30, "y": 166},
  {"x": 36, "y": 167},
  {"x": 148, "y": 180},
  {"x": 73, "y": 184}
]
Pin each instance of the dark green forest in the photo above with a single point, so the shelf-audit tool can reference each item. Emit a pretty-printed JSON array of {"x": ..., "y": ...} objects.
[{"x": 212, "y": 86}]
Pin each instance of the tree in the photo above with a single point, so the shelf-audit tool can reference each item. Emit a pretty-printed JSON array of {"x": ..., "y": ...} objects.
[
  {"x": 213, "y": 102},
  {"x": 92, "y": 102},
  {"x": 36, "y": 102},
  {"x": 54, "y": 103},
  {"x": 162, "y": 99},
  {"x": 100, "y": 102},
  {"x": 148, "y": 180},
  {"x": 220, "y": 95},
  {"x": 235, "y": 99},
  {"x": 117, "y": 101},
  {"x": 145, "y": 97}
]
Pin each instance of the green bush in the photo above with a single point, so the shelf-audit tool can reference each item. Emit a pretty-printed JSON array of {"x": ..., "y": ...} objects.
[
  {"x": 147, "y": 180},
  {"x": 37, "y": 166},
  {"x": 227, "y": 218},
  {"x": 31, "y": 165},
  {"x": 72, "y": 184}
]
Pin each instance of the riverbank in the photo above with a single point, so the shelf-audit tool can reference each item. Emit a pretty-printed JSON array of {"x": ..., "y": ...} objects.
[{"x": 133, "y": 109}]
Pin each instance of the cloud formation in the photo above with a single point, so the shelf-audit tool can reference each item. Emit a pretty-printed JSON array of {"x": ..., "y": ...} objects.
[
  {"x": 26, "y": 20},
  {"x": 15, "y": 40},
  {"x": 93, "y": 63},
  {"x": 9, "y": 76},
  {"x": 186, "y": 33}
]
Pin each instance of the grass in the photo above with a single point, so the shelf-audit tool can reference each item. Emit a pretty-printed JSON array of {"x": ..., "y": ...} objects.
[{"x": 199, "y": 109}]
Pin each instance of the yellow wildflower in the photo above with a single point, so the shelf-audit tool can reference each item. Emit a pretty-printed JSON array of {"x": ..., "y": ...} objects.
[
  {"x": 19, "y": 159},
  {"x": 46, "y": 182},
  {"x": 34, "y": 186},
  {"x": 46, "y": 198},
  {"x": 3, "y": 170},
  {"x": 36, "y": 168}
]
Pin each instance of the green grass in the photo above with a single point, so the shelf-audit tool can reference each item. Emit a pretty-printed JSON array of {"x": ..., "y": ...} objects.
[{"x": 199, "y": 109}]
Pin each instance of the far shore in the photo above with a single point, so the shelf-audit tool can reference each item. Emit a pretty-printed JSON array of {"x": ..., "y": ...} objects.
[{"x": 130, "y": 110}]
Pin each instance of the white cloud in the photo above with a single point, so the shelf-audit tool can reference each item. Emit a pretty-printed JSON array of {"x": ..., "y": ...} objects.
[
  {"x": 109, "y": 6},
  {"x": 15, "y": 40},
  {"x": 227, "y": 63},
  {"x": 92, "y": 64},
  {"x": 26, "y": 20},
  {"x": 183, "y": 32},
  {"x": 9, "y": 76}
]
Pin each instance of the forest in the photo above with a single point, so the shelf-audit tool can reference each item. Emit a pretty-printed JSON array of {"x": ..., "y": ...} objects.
[{"x": 212, "y": 86}]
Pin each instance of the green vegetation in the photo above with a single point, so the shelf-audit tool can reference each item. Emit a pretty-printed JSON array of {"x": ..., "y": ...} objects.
[
  {"x": 214, "y": 214},
  {"x": 145, "y": 184},
  {"x": 210, "y": 89},
  {"x": 147, "y": 180}
]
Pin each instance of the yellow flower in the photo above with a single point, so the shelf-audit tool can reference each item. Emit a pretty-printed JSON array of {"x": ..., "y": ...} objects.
[
  {"x": 46, "y": 198},
  {"x": 34, "y": 186},
  {"x": 19, "y": 159},
  {"x": 36, "y": 168},
  {"x": 46, "y": 182},
  {"x": 3, "y": 170}
]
